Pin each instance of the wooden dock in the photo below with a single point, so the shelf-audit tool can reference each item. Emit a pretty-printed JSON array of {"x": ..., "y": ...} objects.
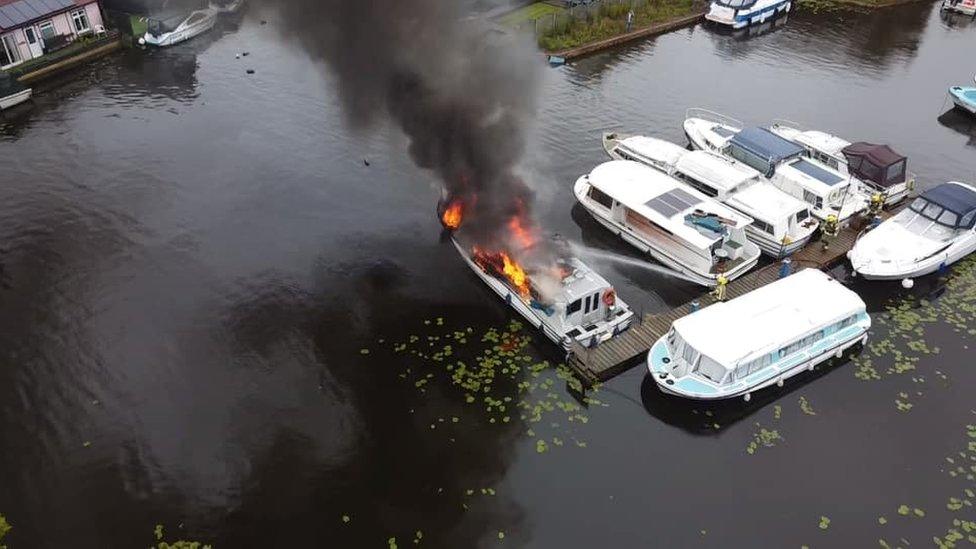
[{"x": 613, "y": 357}]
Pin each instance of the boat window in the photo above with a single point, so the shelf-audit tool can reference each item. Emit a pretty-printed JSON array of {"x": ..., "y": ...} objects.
[
  {"x": 699, "y": 186},
  {"x": 849, "y": 321},
  {"x": 895, "y": 173},
  {"x": 757, "y": 364},
  {"x": 967, "y": 220},
  {"x": 801, "y": 215},
  {"x": 596, "y": 302},
  {"x": 801, "y": 344},
  {"x": 918, "y": 204},
  {"x": 749, "y": 159},
  {"x": 813, "y": 199},
  {"x": 763, "y": 226},
  {"x": 601, "y": 197},
  {"x": 932, "y": 211},
  {"x": 710, "y": 369},
  {"x": 574, "y": 307},
  {"x": 948, "y": 218},
  {"x": 690, "y": 355},
  {"x": 825, "y": 158}
]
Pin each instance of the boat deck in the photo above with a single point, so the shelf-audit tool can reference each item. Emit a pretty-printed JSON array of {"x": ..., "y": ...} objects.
[{"x": 613, "y": 357}]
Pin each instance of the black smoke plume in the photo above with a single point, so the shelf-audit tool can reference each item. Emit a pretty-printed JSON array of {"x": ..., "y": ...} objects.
[{"x": 461, "y": 92}]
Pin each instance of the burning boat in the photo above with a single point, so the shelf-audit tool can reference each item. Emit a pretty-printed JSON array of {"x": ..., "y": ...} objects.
[{"x": 555, "y": 292}]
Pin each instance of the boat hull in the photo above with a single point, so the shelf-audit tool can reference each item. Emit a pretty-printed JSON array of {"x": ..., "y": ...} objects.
[
  {"x": 773, "y": 248},
  {"x": 927, "y": 266},
  {"x": 15, "y": 99},
  {"x": 960, "y": 99},
  {"x": 966, "y": 7}
]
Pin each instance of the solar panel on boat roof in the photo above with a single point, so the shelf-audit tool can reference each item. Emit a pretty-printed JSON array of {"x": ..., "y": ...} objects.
[
  {"x": 817, "y": 172},
  {"x": 674, "y": 201},
  {"x": 722, "y": 131}
]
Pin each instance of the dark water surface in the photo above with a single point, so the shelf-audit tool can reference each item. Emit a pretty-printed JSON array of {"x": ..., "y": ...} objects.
[{"x": 194, "y": 263}]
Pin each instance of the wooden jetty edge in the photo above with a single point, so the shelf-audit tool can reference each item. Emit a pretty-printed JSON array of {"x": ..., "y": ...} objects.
[{"x": 615, "y": 356}]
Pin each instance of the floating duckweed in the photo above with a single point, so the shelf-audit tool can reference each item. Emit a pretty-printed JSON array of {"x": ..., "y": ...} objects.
[
  {"x": 541, "y": 446},
  {"x": 764, "y": 437},
  {"x": 392, "y": 543},
  {"x": 882, "y": 520},
  {"x": 501, "y": 535},
  {"x": 824, "y": 523},
  {"x": 345, "y": 518},
  {"x": 777, "y": 411},
  {"x": 904, "y": 510},
  {"x": 364, "y": 351},
  {"x": 160, "y": 544},
  {"x": 805, "y": 407}
]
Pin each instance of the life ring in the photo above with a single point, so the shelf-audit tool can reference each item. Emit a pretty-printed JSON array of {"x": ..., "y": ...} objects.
[{"x": 609, "y": 297}]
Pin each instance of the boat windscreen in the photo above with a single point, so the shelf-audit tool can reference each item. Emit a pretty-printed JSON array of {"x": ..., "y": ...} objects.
[
  {"x": 722, "y": 131},
  {"x": 818, "y": 173},
  {"x": 736, "y": 4}
]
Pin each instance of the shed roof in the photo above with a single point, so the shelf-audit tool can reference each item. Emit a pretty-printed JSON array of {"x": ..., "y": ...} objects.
[
  {"x": 769, "y": 317},
  {"x": 18, "y": 12}
]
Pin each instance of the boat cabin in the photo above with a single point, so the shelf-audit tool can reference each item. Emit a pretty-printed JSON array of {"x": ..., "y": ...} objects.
[
  {"x": 878, "y": 166},
  {"x": 654, "y": 152},
  {"x": 946, "y": 207},
  {"x": 755, "y": 340},
  {"x": 681, "y": 223},
  {"x": 790, "y": 168},
  {"x": 583, "y": 301}
]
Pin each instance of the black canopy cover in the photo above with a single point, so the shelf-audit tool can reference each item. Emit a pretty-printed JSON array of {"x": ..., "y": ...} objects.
[{"x": 877, "y": 164}]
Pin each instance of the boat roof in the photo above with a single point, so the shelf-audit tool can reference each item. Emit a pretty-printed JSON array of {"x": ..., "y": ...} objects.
[
  {"x": 822, "y": 141},
  {"x": 582, "y": 282},
  {"x": 660, "y": 198},
  {"x": 871, "y": 162},
  {"x": 769, "y": 317},
  {"x": 717, "y": 171},
  {"x": 766, "y": 144},
  {"x": 956, "y": 197},
  {"x": 654, "y": 149},
  {"x": 814, "y": 175},
  {"x": 766, "y": 202}
]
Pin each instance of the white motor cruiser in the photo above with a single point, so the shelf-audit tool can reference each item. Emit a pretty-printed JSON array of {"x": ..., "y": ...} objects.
[
  {"x": 739, "y": 14},
  {"x": 934, "y": 231},
  {"x": 12, "y": 92},
  {"x": 878, "y": 168},
  {"x": 178, "y": 27},
  {"x": 781, "y": 224},
  {"x": 676, "y": 225}
]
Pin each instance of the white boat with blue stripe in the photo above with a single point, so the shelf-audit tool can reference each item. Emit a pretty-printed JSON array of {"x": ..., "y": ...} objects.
[
  {"x": 739, "y": 14},
  {"x": 762, "y": 338}
]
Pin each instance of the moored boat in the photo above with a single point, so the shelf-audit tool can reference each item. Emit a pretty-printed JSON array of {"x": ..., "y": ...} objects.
[
  {"x": 877, "y": 168},
  {"x": 967, "y": 7},
  {"x": 178, "y": 27},
  {"x": 781, "y": 224},
  {"x": 12, "y": 92},
  {"x": 964, "y": 98},
  {"x": 739, "y": 14},
  {"x": 708, "y": 130},
  {"x": 934, "y": 231},
  {"x": 580, "y": 306},
  {"x": 676, "y": 225},
  {"x": 762, "y": 338},
  {"x": 789, "y": 167},
  {"x": 226, "y": 6}
]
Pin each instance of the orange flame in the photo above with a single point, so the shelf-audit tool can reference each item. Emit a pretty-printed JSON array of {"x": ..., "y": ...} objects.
[
  {"x": 452, "y": 215},
  {"x": 503, "y": 265},
  {"x": 522, "y": 235}
]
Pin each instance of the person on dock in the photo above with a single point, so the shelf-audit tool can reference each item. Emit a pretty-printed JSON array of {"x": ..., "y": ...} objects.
[
  {"x": 876, "y": 205},
  {"x": 630, "y": 20},
  {"x": 719, "y": 291},
  {"x": 829, "y": 230}
]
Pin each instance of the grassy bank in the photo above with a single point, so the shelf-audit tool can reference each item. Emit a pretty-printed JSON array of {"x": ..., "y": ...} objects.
[{"x": 609, "y": 20}]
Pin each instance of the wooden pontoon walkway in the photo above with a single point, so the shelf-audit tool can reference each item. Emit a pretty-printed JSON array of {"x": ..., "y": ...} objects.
[{"x": 627, "y": 350}]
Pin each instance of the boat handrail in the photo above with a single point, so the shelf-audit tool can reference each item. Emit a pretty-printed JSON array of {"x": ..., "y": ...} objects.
[
  {"x": 697, "y": 112},
  {"x": 784, "y": 122}
]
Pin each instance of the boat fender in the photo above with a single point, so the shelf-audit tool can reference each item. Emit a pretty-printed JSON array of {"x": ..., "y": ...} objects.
[
  {"x": 839, "y": 353},
  {"x": 779, "y": 382},
  {"x": 747, "y": 397},
  {"x": 907, "y": 283},
  {"x": 609, "y": 297}
]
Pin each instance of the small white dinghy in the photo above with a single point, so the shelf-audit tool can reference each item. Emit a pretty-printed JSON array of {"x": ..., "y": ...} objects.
[
  {"x": 934, "y": 231},
  {"x": 168, "y": 31},
  {"x": 12, "y": 92},
  {"x": 762, "y": 338}
]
